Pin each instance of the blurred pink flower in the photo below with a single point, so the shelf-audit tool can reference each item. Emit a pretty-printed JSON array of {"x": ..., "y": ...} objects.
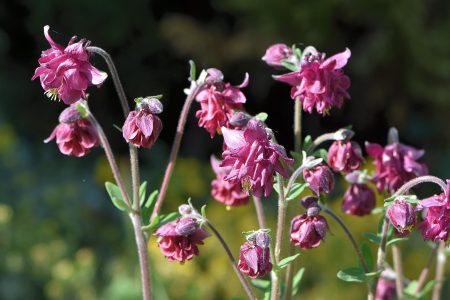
[
  {"x": 179, "y": 240},
  {"x": 320, "y": 84},
  {"x": 395, "y": 165},
  {"x": 217, "y": 101},
  {"x": 344, "y": 156},
  {"x": 66, "y": 73},
  {"x": 276, "y": 53},
  {"x": 385, "y": 289},
  {"x": 74, "y": 135},
  {"x": 230, "y": 194},
  {"x": 254, "y": 256},
  {"x": 308, "y": 231},
  {"x": 320, "y": 179},
  {"x": 359, "y": 200},
  {"x": 253, "y": 158}
]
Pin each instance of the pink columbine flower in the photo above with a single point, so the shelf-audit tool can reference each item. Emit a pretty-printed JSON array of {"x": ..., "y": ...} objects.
[
  {"x": 254, "y": 256},
  {"x": 395, "y": 164},
  {"x": 436, "y": 225},
  {"x": 385, "y": 289},
  {"x": 179, "y": 239},
  {"x": 344, "y": 156},
  {"x": 308, "y": 230},
  {"x": 359, "y": 200},
  {"x": 320, "y": 179},
  {"x": 253, "y": 158},
  {"x": 142, "y": 126},
  {"x": 402, "y": 216},
  {"x": 319, "y": 84},
  {"x": 74, "y": 135},
  {"x": 66, "y": 73},
  {"x": 230, "y": 194},
  {"x": 217, "y": 101},
  {"x": 276, "y": 53}
]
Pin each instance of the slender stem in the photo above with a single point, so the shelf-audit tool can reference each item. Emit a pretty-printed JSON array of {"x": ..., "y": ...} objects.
[
  {"x": 292, "y": 179},
  {"x": 381, "y": 254},
  {"x": 298, "y": 126},
  {"x": 260, "y": 212},
  {"x": 142, "y": 253},
  {"x": 115, "y": 77},
  {"x": 289, "y": 273},
  {"x": 243, "y": 281},
  {"x": 110, "y": 156},
  {"x": 440, "y": 267},
  {"x": 423, "y": 275},
  {"x": 174, "y": 152},
  {"x": 422, "y": 179},
  {"x": 319, "y": 140},
  {"x": 279, "y": 236},
  {"x": 397, "y": 258},
  {"x": 135, "y": 177},
  {"x": 349, "y": 235}
]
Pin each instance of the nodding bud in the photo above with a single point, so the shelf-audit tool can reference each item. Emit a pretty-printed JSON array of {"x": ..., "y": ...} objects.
[
  {"x": 309, "y": 201},
  {"x": 184, "y": 209},
  {"x": 240, "y": 119},
  {"x": 214, "y": 76},
  {"x": 312, "y": 211},
  {"x": 186, "y": 226},
  {"x": 69, "y": 115},
  {"x": 262, "y": 239},
  {"x": 343, "y": 134},
  {"x": 152, "y": 104}
]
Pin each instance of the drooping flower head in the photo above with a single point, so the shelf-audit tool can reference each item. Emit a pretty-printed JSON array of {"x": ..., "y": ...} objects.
[
  {"x": 179, "y": 239},
  {"x": 402, "y": 216},
  {"x": 436, "y": 225},
  {"x": 385, "y": 288},
  {"x": 254, "y": 256},
  {"x": 253, "y": 158},
  {"x": 308, "y": 230},
  {"x": 276, "y": 53},
  {"x": 320, "y": 179},
  {"x": 217, "y": 101},
  {"x": 320, "y": 83},
  {"x": 395, "y": 164},
  {"x": 75, "y": 135},
  {"x": 66, "y": 73},
  {"x": 230, "y": 194},
  {"x": 344, "y": 156},
  {"x": 359, "y": 200},
  {"x": 142, "y": 126}
]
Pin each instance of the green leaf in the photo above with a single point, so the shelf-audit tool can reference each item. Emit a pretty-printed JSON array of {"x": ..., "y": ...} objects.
[
  {"x": 367, "y": 255},
  {"x": 322, "y": 153},
  {"x": 427, "y": 289},
  {"x": 298, "y": 157},
  {"x": 286, "y": 261},
  {"x": 377, "y": 210},
  {"x": 148, "y": 206},
  {"x": 261, "y": 284},
  {"x": 296, "y": 281},
  {"x": 262, "y": 116},
  {"x": 203, "y": 211},
  {"x": 374, "y": 238},
  {"x": 266, "y": 296},
  {"x": 142, "y": 191},
  {"x": 115, "y": 195},
  {"x": 395, "y": 241},
  {"x": 307, "y": 142},
  {"x": 352, "y": 275},
  {"x": 164, "y": 219},
  {"x": 152, "y": 226},
  {"x": 296, "y": 190}
]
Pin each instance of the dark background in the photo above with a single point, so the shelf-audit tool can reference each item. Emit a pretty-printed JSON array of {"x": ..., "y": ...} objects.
[{"x": 59, "y": 235}]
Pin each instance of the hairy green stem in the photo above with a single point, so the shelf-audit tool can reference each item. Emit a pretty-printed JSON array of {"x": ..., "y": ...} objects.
[
  {"x": 424, "y": 273},
  {"x": 260, "y": 212},
  {"x": 440, "y": 268},
  {"x": 397, "y": 258}
]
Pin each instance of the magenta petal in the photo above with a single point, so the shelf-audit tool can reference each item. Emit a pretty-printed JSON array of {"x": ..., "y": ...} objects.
[
  {"x": 145, "y": 124},
  {"x": 340, "y": 59},
  {"x": 234, "y": 139},
  {"x": 97, "y": 76},
  {"x": 292, "y": 78}
]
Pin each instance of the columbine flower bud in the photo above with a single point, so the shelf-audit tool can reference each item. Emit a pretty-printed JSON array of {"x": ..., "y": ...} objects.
[
  {"x": 179, "y": 242},
  {"x": 344, "y": 156},
  {"x": 185, "y": 209},
  {"x": 385, "y": 289},
  {"x": 66, "y": 73},
  {"x": 74, "y": 135},
  {"x": 359, "y": 200},
  {"x": 254, "y": 256},
  {"x": 240, "y": 119},
  {"x": 275, "y": 55},
  {"x": 402, "y": 216},
  {"x": 142, "y": 127},
  {"x": 320, "y": 179},
  {"x": 307, "y": 232},
  {"x": 186, "y": 226},
  {"x": 320, "y": 84}
]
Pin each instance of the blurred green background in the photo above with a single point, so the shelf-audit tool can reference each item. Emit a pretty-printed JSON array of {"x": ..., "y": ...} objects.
[{"x": 60, "y": 238}]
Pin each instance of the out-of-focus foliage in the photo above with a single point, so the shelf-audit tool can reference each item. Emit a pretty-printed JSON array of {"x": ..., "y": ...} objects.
[{"x": 60, "y": 238}]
